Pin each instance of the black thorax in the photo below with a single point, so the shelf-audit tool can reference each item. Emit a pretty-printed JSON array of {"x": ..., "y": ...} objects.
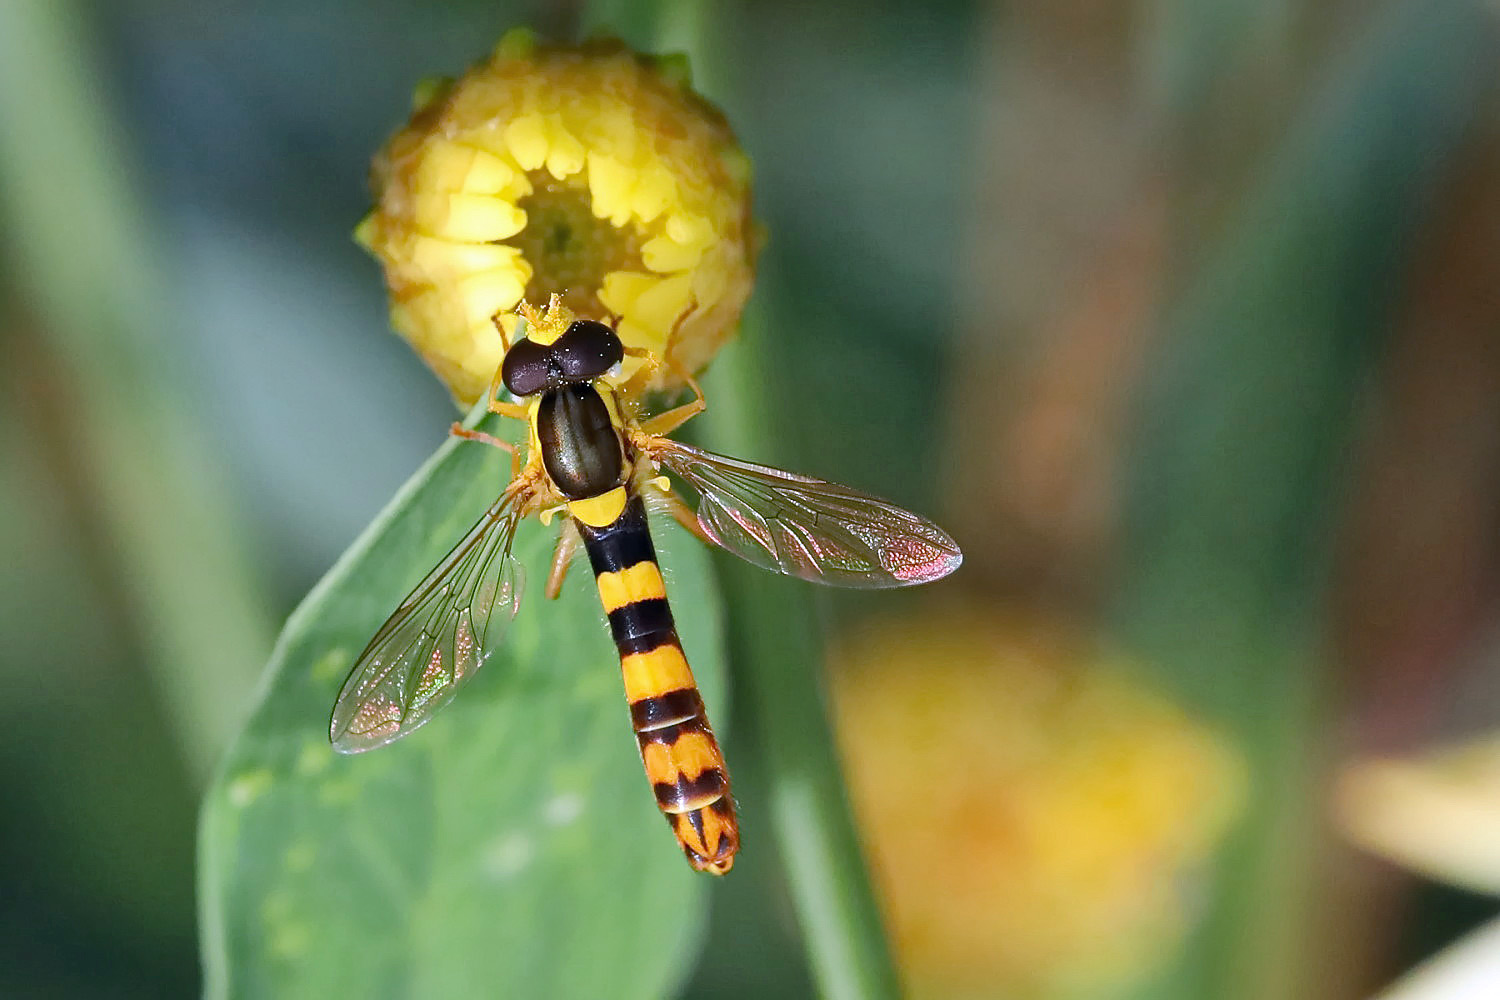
[{"x": 582, "y": 449}]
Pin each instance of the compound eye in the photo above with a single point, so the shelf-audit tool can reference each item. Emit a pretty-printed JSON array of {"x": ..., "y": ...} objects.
[
  {"x": 587, "y": 350},
  {"x": 525, "y": 368}
]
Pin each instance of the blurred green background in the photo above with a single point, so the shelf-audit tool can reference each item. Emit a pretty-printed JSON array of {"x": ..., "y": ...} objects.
[{"x": 1180, "y": 315}]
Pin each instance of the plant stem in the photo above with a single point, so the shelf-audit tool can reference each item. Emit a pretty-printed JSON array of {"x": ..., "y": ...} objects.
[{"x": 775, "y": 652}]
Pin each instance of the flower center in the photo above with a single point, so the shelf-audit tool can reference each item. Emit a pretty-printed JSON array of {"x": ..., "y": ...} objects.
[{"x": 570, "y": 250}]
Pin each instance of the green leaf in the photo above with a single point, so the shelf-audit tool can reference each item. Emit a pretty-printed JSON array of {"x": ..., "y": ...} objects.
[{"x": 511, "y": 847}]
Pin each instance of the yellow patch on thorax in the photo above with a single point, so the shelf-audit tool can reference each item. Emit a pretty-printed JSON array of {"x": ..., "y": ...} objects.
[{"x": 602, "y": 510}]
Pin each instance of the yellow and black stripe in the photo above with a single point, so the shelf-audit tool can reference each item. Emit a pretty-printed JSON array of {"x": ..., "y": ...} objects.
[{"x": 682, "y": 758}]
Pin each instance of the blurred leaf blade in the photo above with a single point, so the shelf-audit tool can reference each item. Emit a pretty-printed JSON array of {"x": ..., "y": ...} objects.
[
  {"x": 161, "y": 496},
  {"x": 511, "y": 846},
  {"x": 1245, "y": 435}
]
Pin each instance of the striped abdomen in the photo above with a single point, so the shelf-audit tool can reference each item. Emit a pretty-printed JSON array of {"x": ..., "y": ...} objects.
[{"x": 682, "y": 757}]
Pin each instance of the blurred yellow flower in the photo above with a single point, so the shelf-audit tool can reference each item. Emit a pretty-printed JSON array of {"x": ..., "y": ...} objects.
[
  {"x": 587, "y": 171},
  {"x": 1032, "y": 812}
]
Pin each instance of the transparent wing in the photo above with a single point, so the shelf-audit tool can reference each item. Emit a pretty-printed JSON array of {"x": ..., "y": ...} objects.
[
  {"x": 438, "y": 638},
  {"x": 806, "y": 527}
]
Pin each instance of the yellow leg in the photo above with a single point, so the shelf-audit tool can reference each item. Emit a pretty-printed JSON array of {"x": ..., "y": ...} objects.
[
  {"x": 500, "y": 329},
  {"x": 513, "y": 410},
  {"x": 492, "y": 394},
  {"x": 562, "y": 558},
  {"x": 669, "y": 421},
  {"x": 460, "y": 431},
  {"x": 685, "y": 516}
]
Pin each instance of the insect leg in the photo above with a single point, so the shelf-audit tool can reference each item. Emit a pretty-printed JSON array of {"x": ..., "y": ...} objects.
[
  {"x": 562, "y": 558},
  {"x": 685, "y": 515},
  {"x": 498, "y": 320},
  {"x": 492, "y": 394},
  {"x": 460, "y": 431},
  {"x": 668, "y": 421},
  {"x": 513, "y": 410}
]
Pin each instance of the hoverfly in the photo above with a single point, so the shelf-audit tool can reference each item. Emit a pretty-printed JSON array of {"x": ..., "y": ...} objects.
[{"x": 591, "y": 456}]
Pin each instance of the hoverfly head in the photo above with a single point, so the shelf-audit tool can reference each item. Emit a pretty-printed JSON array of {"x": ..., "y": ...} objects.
[
  {"x": 528, "y": 368},
  {"x": 586, "y": 350}
]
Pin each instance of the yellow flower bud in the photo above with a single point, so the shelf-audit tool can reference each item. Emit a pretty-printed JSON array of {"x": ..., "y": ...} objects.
[{"x": 589, "y": 172}]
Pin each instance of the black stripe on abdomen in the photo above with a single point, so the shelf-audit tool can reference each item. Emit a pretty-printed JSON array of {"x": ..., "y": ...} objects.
[
  {"x": 670, "y": 709},
  {"x": 642, "y": 625},
  {"x": 621, "y": 544}
]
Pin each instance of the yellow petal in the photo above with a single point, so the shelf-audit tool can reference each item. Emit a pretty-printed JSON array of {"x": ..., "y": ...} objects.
[
  {"x": 488, "y": 293},
  {"x": 366, "y": 233},
  {"x": 488, "y": 174},
  {"x": 526, "y": 138},
  {"x": 661, "y": 253},
  {"x": 444, "y": 167},
  {"x": 633, "y": 334},
  {"x": 609, "y": 186},
  {"x": 475, "y": 218},
  {"x": 424, "y": 317},
  {"x": 710, "y": 279},
  {"x": 484, "y": 354},
  {"x": 622, "y": 289},
  {"x": 565, "y": 154},
  {"x": 654, "y": 189},
  {"x": 613, "y": 127},
  {"x": 508, "y": 322},
  {"x": 690, "y": 230},
  {"x": 447, "y": 258},
  {"x": 657, "y": 309}
]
